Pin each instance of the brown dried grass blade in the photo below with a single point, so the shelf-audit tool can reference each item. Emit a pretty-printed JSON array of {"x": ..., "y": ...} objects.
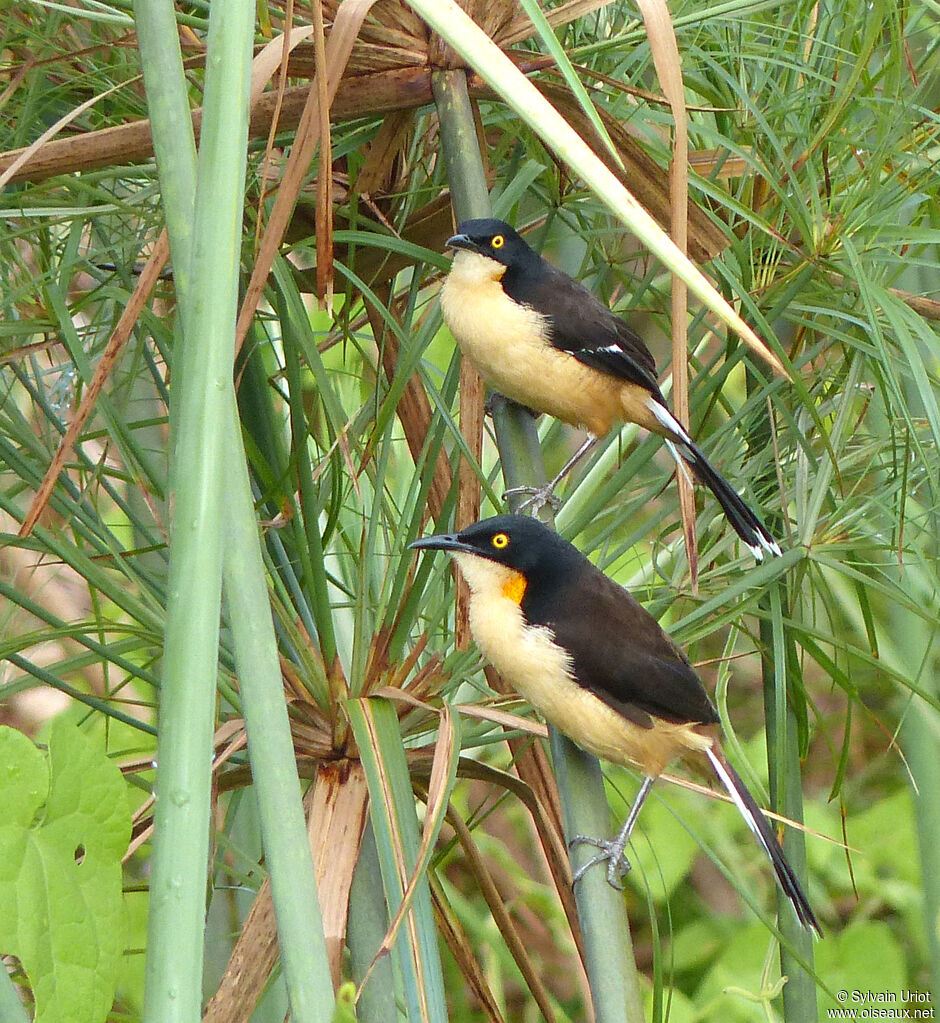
[
  {"x": 338, "y": 47},
  {"x": 324, "y": 215},
  {"x": 449, "y": 927},
  {"x": 472, "y": 394},
  {"x": 249, "y": 966},
  {"x": 112, "y": 352},
  {"x": 497, "y": 902},
  {"x": 665, "y": 51},
  {"x": 335, "y": 825},
  {"x": 273, "y": 58}
]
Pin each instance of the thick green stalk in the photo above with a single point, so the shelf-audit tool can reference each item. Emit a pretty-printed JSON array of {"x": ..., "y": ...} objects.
[
  {"x": 922, "y": 748},
  {"x": 913, "y": 648},
  {"x": 783, "y": 761},
  {"x": 280, "y": 808},
  {"x": 203, "y": 382},
  {"x": 786, "y": 796},
  {"x": 274, "y": 776},
  {"x": 601, "y": 910},
  {"x": 174, "y": 144}
]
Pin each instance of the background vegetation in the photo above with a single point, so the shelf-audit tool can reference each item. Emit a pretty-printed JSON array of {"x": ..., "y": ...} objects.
[{"x": 814, "y": 139}]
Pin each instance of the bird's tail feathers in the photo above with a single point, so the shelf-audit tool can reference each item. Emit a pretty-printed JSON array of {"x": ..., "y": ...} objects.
[
  {"x": 763, "y": 832},
  {"x": 743, "y": 519}
]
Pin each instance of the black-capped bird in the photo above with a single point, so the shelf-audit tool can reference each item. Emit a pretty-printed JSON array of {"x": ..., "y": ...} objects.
[
  {"x": 542, "y": 339},
  {"x": 596, "y": 664}
]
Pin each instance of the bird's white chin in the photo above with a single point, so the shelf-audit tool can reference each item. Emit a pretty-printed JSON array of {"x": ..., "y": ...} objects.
[{"x": 473, "y": 268}]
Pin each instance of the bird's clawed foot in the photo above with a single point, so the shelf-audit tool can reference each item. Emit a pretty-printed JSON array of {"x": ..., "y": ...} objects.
[
  {"x": 611, "y": 851},
  {"x": 537, "y": 499}
]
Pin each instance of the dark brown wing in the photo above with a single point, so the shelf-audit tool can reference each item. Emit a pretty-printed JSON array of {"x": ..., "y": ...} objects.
[
  {"x": 581, "y": 324},
  {"x": 620, "y": 653}
]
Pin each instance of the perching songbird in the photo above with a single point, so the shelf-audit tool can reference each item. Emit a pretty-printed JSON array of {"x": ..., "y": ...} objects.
[
  {"x": 598, "y": 667},
  {"x": 543, "y": 340}
]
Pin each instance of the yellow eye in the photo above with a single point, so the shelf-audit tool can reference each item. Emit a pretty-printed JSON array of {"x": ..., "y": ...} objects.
[
  {"x": 500, "y": 541},
  {"x": 497, "y": 242}
]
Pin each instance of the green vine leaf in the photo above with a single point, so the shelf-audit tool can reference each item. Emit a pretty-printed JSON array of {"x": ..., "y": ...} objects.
[{"x": 66, "y": 826}]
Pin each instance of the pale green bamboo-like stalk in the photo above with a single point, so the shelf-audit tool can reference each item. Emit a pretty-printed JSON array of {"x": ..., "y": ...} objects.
[
  {"x": 921, "y": 735},
  {"x": 602, "y": 912},
  {"x": 208, "y": 269},
  {"x": 174, "y": 143},
  {"x": 304, "y": 958},
  {"x": 786, "y": 796},
  {"x": 293, "y": 885},
  {"x": 365, "y": 931},
  {"x": 917, "y": 654}
]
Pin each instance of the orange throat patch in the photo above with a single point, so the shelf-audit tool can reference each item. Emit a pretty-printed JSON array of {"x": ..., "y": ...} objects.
[{"x": 514, "y": 588}]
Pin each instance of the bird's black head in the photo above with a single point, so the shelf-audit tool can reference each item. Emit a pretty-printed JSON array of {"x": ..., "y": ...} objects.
[
  {"x": 521, "y": 543},
  {"x": 494, "y": 239}
]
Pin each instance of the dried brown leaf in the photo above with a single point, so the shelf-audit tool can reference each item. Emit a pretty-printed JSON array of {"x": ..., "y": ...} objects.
[{"x": 336, "y": 813}]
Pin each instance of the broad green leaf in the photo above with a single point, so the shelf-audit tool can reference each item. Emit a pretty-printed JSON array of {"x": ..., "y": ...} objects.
[{"x": 67, "y": 824}]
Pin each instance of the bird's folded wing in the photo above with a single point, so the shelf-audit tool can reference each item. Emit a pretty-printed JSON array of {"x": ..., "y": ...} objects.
[{"x": 622, "y": 655}]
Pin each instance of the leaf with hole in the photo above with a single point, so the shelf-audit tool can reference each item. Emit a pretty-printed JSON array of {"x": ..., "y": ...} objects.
[{"x": 66, "y": 825}]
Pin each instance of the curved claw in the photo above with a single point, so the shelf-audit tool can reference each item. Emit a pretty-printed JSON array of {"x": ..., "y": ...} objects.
[
  {"x": 538, "y": 498},
  {"x": 612, "y": 851}
]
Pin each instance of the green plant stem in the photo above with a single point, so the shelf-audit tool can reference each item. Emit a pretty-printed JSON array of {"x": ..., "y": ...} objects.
[
  {"x": 914, "y": 649},
  {"x": 203, "y": 382},
  {"x": 465, "y": 174},
  {"x": 174, "y": 144},
  {"x": 274, "y": 776},
  {"x": 520, "y": 455},
  {"x": 601, "y": 910},
  {"x": 786, "y": 796},
  {"x": 922, "y": 746}
]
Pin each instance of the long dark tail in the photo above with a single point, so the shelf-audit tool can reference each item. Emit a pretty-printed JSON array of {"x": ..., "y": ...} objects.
[
  {"x": 764, "y": 834},
  {"x": 743, "y": 519}
]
